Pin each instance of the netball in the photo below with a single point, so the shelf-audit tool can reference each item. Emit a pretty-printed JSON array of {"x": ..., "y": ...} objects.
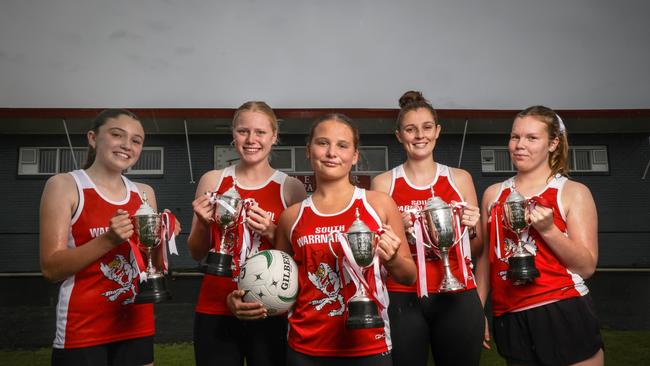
[{"x": 270, "y": 277}]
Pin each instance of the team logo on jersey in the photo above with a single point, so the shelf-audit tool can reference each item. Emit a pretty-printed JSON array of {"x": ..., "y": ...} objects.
[
  {"x": 329, "y": 283},
  {"x": 122, "y": 273}
]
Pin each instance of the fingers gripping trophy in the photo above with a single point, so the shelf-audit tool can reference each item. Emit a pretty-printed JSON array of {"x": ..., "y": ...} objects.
[
  {"x": 442, "y": 232},
  {"x": 152, "y": 230},
  {"x": 521, "y": 263},
  {"x": 228, "y": 209},
  {"x": 359, "y": 246}
]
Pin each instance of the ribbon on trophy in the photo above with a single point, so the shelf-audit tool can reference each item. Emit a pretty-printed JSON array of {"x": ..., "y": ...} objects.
[
  {"x": 245, "y": 244},
  {"x": 379, "y": 295},
  {"x": 140, "y": 266},
  {"x": 168, "y": 240},
  {"x": 419, "y": 233}
]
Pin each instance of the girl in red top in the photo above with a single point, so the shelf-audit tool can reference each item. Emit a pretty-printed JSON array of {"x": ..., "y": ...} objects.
[
  {"x": 550, "y": 321},
  {"x": 317, "y": 330},
  {"x": 84, "y": 228},
  {"x": 222, "y": 336},
  {"x": 450, "y": 324}
]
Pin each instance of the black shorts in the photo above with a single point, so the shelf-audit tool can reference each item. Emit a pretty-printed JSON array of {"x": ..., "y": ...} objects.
[
  {"x": 560, "y": 333},
  {"x": 136, "y": 351},
  {"x": 300, "y": 359},
  {"x": 451, "y": 325},
  {"x": 225, "y": 340}
]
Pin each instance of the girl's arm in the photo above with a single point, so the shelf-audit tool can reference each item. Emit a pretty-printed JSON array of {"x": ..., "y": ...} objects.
[
  {"x": 198, "y": 241},
  {"x": 58, "y": 202}
]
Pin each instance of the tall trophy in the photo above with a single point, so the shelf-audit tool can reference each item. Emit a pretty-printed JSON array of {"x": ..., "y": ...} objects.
[
  {"x": 441, "y": 229},
  {"x": 521, "y": 264},
  {"x": 362, "y": 311},
  {"x": 147, "y": 226},
  {"x": 226, "y": 214}
]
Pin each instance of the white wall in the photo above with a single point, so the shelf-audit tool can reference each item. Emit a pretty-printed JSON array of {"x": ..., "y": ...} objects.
[{"x": 493, "y": 54}]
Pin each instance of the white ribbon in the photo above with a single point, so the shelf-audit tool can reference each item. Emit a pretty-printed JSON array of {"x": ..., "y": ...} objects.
[
  {"x": 246, "y": 245},
  {"x": 418, "y": 233}
]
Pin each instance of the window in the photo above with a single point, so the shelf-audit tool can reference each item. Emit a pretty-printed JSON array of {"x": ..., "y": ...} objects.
[
  {"x": 372, "y": 159},
  {"x": 49, "y": 160},
  {"x": 582, "y": 159},
  {"x": 53, "y": 160}
]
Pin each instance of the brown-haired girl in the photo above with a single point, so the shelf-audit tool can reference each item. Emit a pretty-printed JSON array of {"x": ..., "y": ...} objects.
[
  {"x": 317, "y": 323},
  {"x": 84, "y": 228},
  {"x": 451, "y": 324}
]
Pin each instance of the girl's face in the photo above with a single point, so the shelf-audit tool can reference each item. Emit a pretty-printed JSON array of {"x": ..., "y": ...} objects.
[
  {"x": 118, "y": 142},
  {"x": 253, "y": 137},
  {"x": 418, "y": 133},
  {"x": 332, "y": 151},
  {"x": 530, "y": 143}
]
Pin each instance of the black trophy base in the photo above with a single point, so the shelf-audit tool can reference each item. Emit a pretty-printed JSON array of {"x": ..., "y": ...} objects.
[
  {"x": 362, "y": 315},
  {"x": 153, "y": 290},
  {"x": 217, "y": 264},
  {"x": 521, "y": 270}
]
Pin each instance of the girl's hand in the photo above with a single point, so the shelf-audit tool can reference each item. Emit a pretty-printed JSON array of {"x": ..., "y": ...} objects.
[
  {"x": 260, "y": 221},
  {"x": 471, "y": 216},
  {"x": 244, "y": 310},
  {"x": 540, "y": 217},
  {"x": 203, "y": 209},
  {"x": 388, "y": 244},
  {"x": 120, "y": 227}
]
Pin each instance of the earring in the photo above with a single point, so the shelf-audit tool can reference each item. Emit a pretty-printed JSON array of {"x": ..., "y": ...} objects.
[{"x": 232, "y": 143}]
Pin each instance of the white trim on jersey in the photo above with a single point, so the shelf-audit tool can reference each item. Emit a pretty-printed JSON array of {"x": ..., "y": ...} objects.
[
  {"x": 65, "y": 293},
  {"x": 303, "y": 204}
]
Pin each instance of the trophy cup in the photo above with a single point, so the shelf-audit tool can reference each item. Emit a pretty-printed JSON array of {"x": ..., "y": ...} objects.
[
  {"x": 147, "y": 226},
  {"x": 441, "y": 228},
  {"x": 521, "y": 264},
  {"x": 226, "y": 213},
  {"x": 362, "y": 311}
]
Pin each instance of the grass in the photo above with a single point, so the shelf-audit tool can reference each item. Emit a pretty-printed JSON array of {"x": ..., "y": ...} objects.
[{"x": 622, "y": 348}]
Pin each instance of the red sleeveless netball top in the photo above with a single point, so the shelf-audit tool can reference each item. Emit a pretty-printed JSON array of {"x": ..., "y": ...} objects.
[
  {"x": 269, "y": 196},
  {"x": 317, "y": 321},
  {"x": 95, "y": 305},
  {"x": 556, "y": 282}
]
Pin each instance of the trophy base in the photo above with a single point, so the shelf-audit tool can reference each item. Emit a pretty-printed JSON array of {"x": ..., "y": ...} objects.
[
  {"x": 521, "y": 270},
  {"x": 153, "y": 290},
  {"x": 217, "y": 264},
  {"x": 450, "y": 284},
  {"x": 363, "y": 314}
]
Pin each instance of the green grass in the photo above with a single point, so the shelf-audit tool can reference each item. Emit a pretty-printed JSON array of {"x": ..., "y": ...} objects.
[{"x": 622, "y": 348}]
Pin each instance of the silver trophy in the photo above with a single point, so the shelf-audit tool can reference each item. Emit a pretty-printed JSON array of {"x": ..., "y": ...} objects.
[
  {"x": 441, "y": 227},
  {"x": 362, "y": 311},
  {"x": 147, "y": 226},
  {"x": 226, "y": 214},
  {"x": 521, "y": 264}
]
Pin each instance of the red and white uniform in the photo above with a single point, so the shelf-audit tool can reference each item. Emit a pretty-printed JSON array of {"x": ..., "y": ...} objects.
[
  {"x": 269, "y": 197},
  {"x": 96, "y": 304},
  {"x": 317, "y": 321},
  {"x": 409, "y": 196},
  {"x": 555, "y": 282}
]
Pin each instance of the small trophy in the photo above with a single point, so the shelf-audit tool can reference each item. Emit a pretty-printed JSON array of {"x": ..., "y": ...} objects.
[
  {"x": 441, "y": 228},
  {"x": 521, "y": 264},
  {"x": 147, "y": 226},
  {"x": 226, "y": 214},
  {"x": 362, "y": 311}
]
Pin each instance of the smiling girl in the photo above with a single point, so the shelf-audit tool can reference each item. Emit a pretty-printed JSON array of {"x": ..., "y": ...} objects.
[
  {"x": 84, "y": 228},
  {"x": 223, "y": 331}
]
